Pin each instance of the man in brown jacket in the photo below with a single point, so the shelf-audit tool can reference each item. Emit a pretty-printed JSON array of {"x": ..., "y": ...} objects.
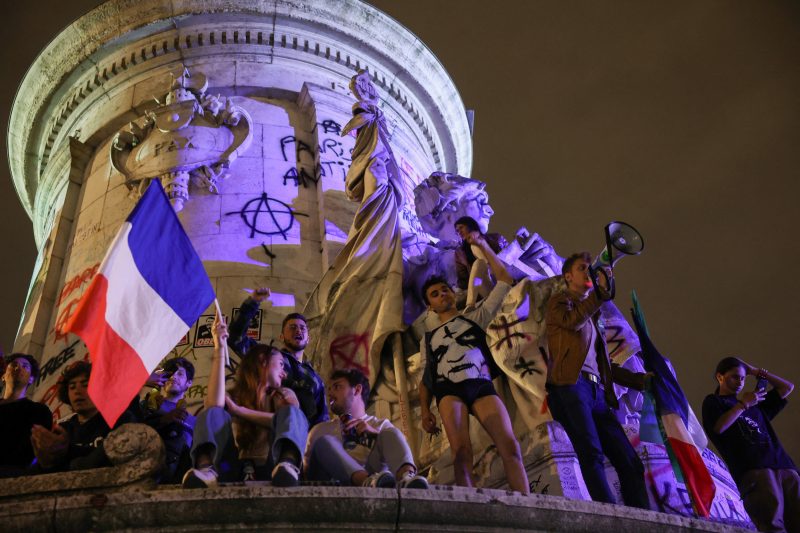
[{"x": 580, "y": 389}]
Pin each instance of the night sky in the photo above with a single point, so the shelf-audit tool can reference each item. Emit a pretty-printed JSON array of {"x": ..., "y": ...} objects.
[{"x": 682, "y": 119}]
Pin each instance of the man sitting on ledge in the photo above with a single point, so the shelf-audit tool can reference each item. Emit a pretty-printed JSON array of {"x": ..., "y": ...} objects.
[
  {"x": 359, "y": 449},
  {"x": 76, "y": 442},
  {"x": 19, "y": 414},
  {"x": 165, "y": 411}
]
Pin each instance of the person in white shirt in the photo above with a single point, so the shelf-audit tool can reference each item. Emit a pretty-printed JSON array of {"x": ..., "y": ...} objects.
[
  {"x": 459, "y": 368},
  {"x": 358, "y": 449}
]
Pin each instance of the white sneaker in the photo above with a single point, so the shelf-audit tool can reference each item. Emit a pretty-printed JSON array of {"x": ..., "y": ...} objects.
[
  {"x": 200, "y": 478},
  {"x": 285, "y": 474},
  {"x": 411, "y": 480},
  {"x": 380, "y": 480}
]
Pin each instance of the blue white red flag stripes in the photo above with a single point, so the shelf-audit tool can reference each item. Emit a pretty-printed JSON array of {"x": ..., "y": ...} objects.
[
  {"x": 150, "y": 288},
  {"x": 671, "y": 409}
]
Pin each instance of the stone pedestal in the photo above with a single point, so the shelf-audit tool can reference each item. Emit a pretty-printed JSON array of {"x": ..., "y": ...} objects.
[{"x": 668, "y": 495}]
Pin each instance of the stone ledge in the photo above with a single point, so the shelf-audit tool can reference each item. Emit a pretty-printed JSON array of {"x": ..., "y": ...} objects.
[
  {"x": 135, "y": 450},
  {"x": 312, "y": 508}
]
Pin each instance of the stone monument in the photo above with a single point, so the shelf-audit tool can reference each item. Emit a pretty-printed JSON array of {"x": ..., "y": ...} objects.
[{"x": 238, "y": 108}]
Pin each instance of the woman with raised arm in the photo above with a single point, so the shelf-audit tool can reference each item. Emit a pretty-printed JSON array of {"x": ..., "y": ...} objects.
[{"x": 242, "y": 435}]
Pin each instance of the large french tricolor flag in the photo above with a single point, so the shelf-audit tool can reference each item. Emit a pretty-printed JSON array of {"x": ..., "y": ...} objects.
[
  {"x": 150, "y": 288},
  {"x": 671, "y": 416}
]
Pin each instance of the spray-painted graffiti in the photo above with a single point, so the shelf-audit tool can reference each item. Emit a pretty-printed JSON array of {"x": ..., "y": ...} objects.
[
  {"x": 535, "y": 483},
  {"x": 525, "y": 367},
  {"x": 267, "y": 251},
  {"x": 615, "y": 340},
  {"x": 85, "y": 233},
  {"x": 508, "y": 332},
  {"x": 301, "y": 178},
  {"x": 725, "y": 508},
  {"x": 55, "y": 363},
  {"x": 196, "y": 392},
  {"x": 267, "y": 216},
  {"x": 666, "y": 501},
  {"x": 77, "y": 282},
  {"x": 331, "y": 126},
  {"x": 334, "y": 156},
  {"x": 300, "y": 147},
  {"x": 351, "y": 351},
  {"x": 66, "y": 310}
]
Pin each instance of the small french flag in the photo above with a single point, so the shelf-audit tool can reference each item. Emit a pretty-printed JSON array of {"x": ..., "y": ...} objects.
[{"x": 150, "y": 288}]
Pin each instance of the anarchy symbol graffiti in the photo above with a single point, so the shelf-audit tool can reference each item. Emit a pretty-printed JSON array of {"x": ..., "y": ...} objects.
[
  {"x": 267, "y": 216},
  {"x": 508, "y": 332},
  {"x": 351, "y": 351}
]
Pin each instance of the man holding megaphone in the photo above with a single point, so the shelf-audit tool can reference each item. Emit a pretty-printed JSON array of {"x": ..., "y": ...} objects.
[{"x": 580, "y": 383}]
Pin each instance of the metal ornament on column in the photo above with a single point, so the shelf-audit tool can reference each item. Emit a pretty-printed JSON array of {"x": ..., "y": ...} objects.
[{"x": 191, "y": 137}]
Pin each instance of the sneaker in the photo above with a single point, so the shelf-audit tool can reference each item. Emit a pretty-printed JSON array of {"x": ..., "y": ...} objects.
[
  {"x": 380, "y": 480},
  {"x": 285, "y": 474},
  {"x": 411, "y": 480},
  {"x": 249, "y": 471},
  {"x": 200, "y": 478}
]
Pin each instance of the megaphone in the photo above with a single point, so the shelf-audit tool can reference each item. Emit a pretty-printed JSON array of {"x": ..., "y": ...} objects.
[{"x": 621, "y": 239}]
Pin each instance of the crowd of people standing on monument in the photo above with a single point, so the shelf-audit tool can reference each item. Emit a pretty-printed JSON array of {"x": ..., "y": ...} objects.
[{"x": 274, "y": 423}]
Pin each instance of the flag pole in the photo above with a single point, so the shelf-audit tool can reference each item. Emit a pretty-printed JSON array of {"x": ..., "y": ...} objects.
[
  {"x": 407, "y": 424},
  {"x": 224, "y": 347}
]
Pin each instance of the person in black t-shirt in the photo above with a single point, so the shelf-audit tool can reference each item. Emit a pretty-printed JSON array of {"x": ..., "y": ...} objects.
[
  {"x": 740, "y": 428},
  {"x": 18, "y": 414}
]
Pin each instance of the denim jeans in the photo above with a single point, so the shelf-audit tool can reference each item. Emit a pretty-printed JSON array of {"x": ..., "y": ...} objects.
[
  {"x": 289, "y": 427},
  {"x": 594, "y": 431}
]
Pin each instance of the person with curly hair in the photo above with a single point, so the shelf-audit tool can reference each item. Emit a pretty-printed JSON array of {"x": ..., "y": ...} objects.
[
  {"x": 75, "y": 442},
  {"x": 164, "y": 409}
]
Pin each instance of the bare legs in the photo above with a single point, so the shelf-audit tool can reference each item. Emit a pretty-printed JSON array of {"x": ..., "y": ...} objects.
[{"x": 492, "y": 415}]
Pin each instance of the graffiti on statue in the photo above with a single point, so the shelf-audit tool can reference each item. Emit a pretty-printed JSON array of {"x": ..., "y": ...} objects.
[
  {"x": 350, "y": 351},
  {"x": 196, "y": 392},
  {"x": 299, "y": 148},
  {"x": 55, "y": 363},
  {"x": 300, "y": 178},
  {"x": 335, "y": 151},
  {"x": 537, "y": 487},
  {"x": 331, "y": 126},
  {"x": 508, "y": 332},
  {"x": 267, "y": 251},
  {"x": 267, "y": 216},
  {"x": 672, "y": 498}
]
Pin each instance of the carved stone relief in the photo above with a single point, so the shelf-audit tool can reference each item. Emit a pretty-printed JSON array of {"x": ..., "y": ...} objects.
[{"x": 191, "y": 137}]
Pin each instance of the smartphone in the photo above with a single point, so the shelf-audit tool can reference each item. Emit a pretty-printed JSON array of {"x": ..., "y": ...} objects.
[{"x": 761, "y": 385}]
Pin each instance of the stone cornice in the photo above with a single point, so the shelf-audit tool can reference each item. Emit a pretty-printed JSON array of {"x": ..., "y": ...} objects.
[{"x": 104, "y": 43}]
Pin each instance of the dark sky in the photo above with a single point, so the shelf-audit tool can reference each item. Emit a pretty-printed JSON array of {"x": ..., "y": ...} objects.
[{"x": 681, "y": 118}]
